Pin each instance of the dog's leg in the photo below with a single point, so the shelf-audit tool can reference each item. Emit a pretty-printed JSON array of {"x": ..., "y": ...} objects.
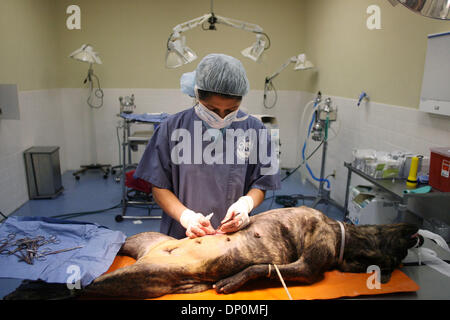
[
  {"x": 139, "y": 280},
  {"x": 296, "y": 271},
  {"x": 136, "y": 246}
]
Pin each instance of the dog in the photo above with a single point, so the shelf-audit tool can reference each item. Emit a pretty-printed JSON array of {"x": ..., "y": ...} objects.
[{"x": 302, "y": 242}]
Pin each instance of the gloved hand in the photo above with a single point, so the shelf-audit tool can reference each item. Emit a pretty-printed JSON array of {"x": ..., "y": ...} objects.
[
  {"x": 238, "y": 212},
  {"x": 196, "y": 224}
]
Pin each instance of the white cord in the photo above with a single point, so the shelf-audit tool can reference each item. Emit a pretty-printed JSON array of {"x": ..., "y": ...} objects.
[
  {"x": 266, "y": 91},
  {"x": 282, "y": 281},
  {"x": 98, "y": 92}
]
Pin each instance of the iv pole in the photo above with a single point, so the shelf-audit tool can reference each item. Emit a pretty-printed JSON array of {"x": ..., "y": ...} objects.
[
  {"x": 86, "y": 54},
  {"x": 323, "y": 195}
]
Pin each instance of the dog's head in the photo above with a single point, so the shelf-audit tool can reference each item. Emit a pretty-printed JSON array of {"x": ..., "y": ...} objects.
[{"x": 384, "y": 246}]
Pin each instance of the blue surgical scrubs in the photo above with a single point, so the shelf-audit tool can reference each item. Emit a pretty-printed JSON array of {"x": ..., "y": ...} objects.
[{"x": 201, "y": 187}]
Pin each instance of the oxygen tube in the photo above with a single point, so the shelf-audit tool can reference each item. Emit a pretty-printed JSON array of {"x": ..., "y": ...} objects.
[{"x": 313, "y": 119}]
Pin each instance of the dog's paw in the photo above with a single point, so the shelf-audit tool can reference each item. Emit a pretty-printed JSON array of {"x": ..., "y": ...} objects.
[{"x": 229, "y": 285}]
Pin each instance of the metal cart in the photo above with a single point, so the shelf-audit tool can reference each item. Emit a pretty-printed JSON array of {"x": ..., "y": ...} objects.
[
  {"x": 130, "y": 141},
  {"x": 394, "y": 187}
]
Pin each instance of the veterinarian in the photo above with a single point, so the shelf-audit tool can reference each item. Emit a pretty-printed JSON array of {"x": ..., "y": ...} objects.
[{"x": 189, "y": 191}]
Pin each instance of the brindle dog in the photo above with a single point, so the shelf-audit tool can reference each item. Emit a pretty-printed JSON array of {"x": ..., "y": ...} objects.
[{"x": 302, "y": 242}]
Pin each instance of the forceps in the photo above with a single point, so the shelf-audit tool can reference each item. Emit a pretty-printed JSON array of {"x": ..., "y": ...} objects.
[{"x": 6, "y": 241}]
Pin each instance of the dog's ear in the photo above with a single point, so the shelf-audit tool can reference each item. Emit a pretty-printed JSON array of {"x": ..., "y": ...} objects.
[{"x": 385, "y": 276}]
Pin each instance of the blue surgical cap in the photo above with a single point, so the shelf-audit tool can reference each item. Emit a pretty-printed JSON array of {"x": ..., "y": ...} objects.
[
  {"x": 217, "y": 73},
  {"x": 187, "y": 83}
]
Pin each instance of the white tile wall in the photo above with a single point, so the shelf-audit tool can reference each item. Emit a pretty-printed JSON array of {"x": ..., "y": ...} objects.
[
  {"x": 288, "y": 111},
  {"x": 40, "y": 124},
  {"x": 61, "y": 117}
]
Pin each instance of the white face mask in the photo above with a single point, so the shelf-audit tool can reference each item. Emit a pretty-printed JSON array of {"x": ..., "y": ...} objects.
[{"x": 212, "y": 118}]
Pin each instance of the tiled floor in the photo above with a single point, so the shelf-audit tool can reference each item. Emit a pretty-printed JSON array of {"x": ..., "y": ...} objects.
[{"x": 93, "y": 193}]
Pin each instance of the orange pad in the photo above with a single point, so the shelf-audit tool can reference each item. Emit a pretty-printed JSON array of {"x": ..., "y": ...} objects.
[{"x": 335, "y": 284}]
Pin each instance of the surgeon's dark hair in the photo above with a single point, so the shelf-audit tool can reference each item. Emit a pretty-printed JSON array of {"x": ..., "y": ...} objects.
[{"x": 204, "y": 95}]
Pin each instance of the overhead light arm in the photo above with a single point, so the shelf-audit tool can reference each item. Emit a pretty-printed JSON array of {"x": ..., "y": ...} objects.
[
  {"x": 178, "y": 53},
  {"x": 276, "y": 73},
  {"x": 191, "y": 24},
  {"x": 240, "y": 24},
  {"x": 300, "y": 64}
]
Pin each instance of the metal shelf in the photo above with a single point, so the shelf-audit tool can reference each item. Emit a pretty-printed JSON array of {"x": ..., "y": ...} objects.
[
  {"x": 394, "y": 187},
  {"x": 128, "y": 141}
]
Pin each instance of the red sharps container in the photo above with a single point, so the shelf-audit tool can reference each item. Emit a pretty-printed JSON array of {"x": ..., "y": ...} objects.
[{"x": 440, "y": 169}]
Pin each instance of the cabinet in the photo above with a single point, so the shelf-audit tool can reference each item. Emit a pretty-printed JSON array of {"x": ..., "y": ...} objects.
[
  {"x": 43, "y": 172},
  {"x": 435, "y": 95}
]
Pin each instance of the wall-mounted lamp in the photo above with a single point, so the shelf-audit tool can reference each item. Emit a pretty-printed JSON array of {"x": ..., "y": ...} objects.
[
  {"x": 87, "y": 54},
  {"x": 301, "y": 63}
]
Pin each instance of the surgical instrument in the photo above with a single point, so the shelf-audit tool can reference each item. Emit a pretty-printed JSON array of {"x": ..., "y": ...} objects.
[
  {"x": 226, "y": 221},
  {"x": 46, "y": 251},
  {"x": 28, "y": 249}
]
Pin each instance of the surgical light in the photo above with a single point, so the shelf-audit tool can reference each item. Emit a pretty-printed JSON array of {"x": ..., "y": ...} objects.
[
  {"x": 87, "y": 54},
  {"x": 178, "y": 53},
  {"x": 301, "y": 63},
  {"x": 436, "y": 9},
  {"x": 255, "y": 51}
]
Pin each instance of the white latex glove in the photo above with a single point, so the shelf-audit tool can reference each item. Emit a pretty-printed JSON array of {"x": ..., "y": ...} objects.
[
  {"x": 238, "y": 212},
  {"x": 196, "y": 224}
]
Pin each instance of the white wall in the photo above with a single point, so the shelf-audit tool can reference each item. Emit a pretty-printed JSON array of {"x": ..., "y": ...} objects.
[
  {"x": 61, "y": 117},
  {"x": 41, "y": 123},
  {"x": 77, "y": 120}
]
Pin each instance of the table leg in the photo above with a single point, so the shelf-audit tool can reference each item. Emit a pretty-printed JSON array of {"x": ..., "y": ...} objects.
[{"x": 347, "y": 191}]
